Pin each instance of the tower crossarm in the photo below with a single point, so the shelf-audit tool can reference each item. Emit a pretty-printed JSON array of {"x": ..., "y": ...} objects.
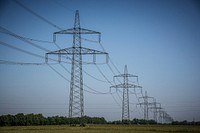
[
  {"x": 126, "y": 75},
  {"x": 77, "y": 50},
  {"x": 145, "y": 97},
  {"x": 154, "y": 103},
  {"x": 72, "y": 50},
  {"x": 144, "y": 104},
  {"x": 75, "y": 31},
  {"x": 85, "y": 51},
  {"x": 125, "y": 86}
]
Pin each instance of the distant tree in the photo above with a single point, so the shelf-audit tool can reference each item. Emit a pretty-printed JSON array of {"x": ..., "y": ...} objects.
[
  {"x": 38, "y": 119},
  {"x": 20, "y": 119},
  {"x": 151, "y": 122},
  {"x": 117, "y": 122},
  {"x": 4, "y": 121},
  {"x": 62, "y": 120},
  {"x": 12, "y": 120},
  {"x": 29, "y": 119},
  {"x": 51, "y": 121}
]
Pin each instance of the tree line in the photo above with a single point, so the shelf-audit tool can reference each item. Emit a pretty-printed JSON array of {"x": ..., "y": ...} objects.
[
  {"x": 134, "y": 121},
  {"x": 38, "y": 119},
  {"x": 185, "y": 122}
]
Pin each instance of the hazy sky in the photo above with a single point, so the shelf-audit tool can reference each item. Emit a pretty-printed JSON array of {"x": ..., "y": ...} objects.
[{"x": 158, "y": 40}]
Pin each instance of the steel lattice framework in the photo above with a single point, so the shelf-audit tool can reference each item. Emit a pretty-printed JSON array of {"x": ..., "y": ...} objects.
[
  {"x": 146, "y": 104},
  {"x": 155, "y": 106},
  {"x": 76, "y": 101},
  {"x": 125, "y": 85}
]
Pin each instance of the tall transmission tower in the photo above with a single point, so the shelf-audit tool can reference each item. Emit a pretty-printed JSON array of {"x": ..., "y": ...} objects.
[
  {"x": 146, "y": 104},
  {"x": 155, "y": 106},
  {"x": 159, "y": 112},
  {"x": 165, "y": 117},
  {"x": 161, "y": 116},
  {"x": 76, "y": 101},
  {"x": 125, "y": 85}
]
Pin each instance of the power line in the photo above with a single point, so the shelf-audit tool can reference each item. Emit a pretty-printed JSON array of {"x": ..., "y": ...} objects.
[
  {"x": 95, "y": 91},
  {"x": 30, "y": 53},
  {"x": 64, "y": 68},
  {"x": 50, "y": 104},
  {"x": 42, "y": 18},
  {"x": 94, "y": 77},
  {"x": 82, "y": 39},
  {"x": 63, "y": 6},
  {"x": 110, "y": 59},
  {"x": 86, "y": 74},
  {"x": 119, "y": 95},
  {"x": 114, "y": 65},
  {"x": 110, "y": 84},
  {"x": 20, "y": 63},
  {"x": 37, "y": 15},
  {"x": 26, "y": 52},
  {"x": 21, "y": 50},
  {"x": 98, "y": 42},
  {"x": 113, "y": 74},
  {"x": 28, "y": 38},
  {"x": 6, "y": 31},
  {"x": 23, "y": 39},
  {"x": 58, "y": 73},
  {"x": 103, "y": 74},
  {"x": 115, "y": 100},
  {"x": 85, "y": 39},
  {"x": 57, "y": 45}
]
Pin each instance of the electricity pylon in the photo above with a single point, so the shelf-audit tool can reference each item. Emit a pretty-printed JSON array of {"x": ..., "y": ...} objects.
[
  {"x": 165, "y": 117},
  {"x": 155, "y": 106},
  {"x": 146, "y": 104},
  {"x": 76, "y": 101},
  {"x": 125, "y": 85},
  {"x": 161, "y": 116}
]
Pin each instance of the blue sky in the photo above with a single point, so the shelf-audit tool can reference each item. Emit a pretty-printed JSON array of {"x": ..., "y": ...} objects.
[{"x": 157, "y": 40}]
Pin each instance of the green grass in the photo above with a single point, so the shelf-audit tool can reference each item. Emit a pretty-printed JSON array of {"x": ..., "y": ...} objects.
[{"x": 103, "y": 129}]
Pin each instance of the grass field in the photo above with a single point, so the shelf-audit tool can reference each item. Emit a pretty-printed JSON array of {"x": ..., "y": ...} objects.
[{"x": 102, "y": 129}]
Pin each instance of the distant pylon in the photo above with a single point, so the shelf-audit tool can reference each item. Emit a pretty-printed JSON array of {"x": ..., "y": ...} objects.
[
  {"x": 125, "y": 85},
  {"x": 146, "y": 104},
  {"x": 76, "y": 101},
  {"x": 155, "y": 106}
]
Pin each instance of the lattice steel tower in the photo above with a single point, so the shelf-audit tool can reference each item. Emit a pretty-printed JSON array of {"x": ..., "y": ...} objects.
[
  {"x": 146, "y": 104},
  {"x": 155, "y": 106},
  {"x": 76, "y": 101},
  {"x": 125, "y": 85}
]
